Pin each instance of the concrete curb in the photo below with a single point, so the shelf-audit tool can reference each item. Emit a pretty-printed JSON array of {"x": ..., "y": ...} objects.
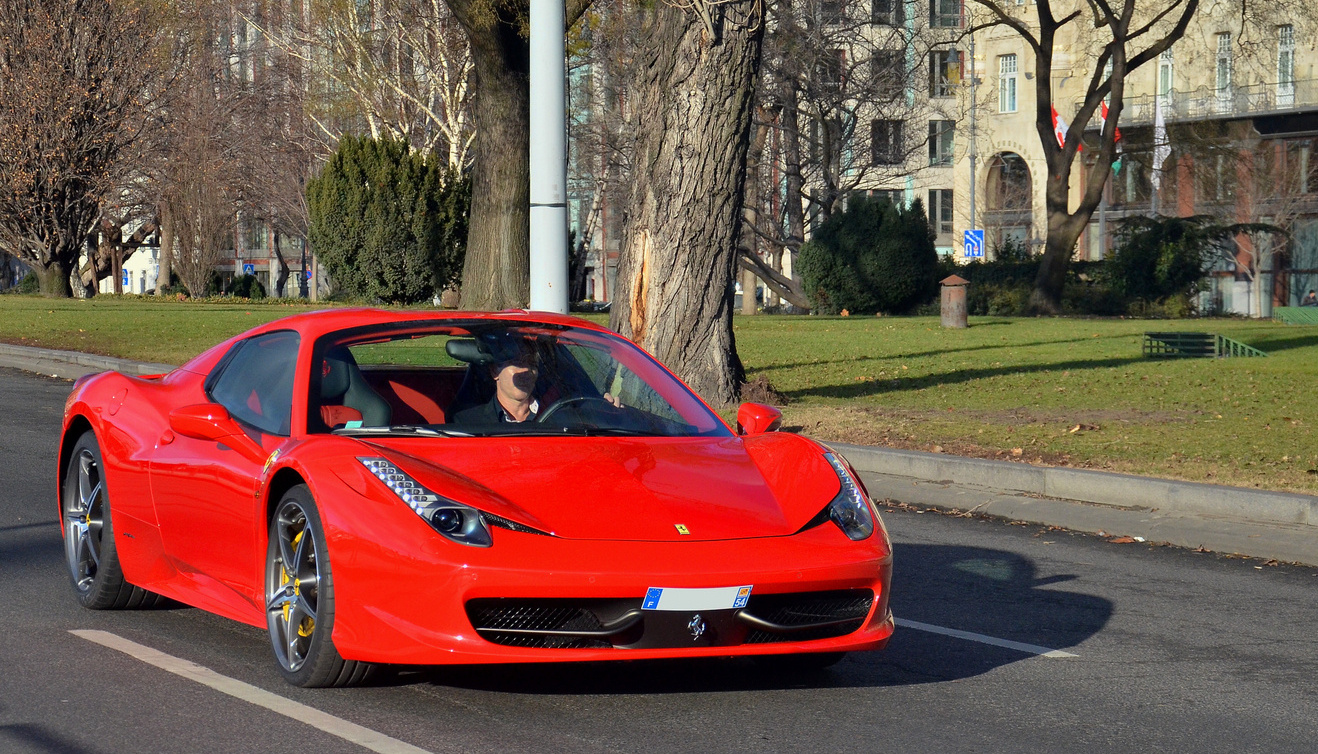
[
  {"x": 71, "y": 364},
  {"x": 1099, "y": 487}
]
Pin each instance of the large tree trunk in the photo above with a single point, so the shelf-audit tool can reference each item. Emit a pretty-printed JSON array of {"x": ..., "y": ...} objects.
[
  {"x": 496, "y": 272},
  {"x": 53, "y": 279},
  {"x": 680, "y": 239}
]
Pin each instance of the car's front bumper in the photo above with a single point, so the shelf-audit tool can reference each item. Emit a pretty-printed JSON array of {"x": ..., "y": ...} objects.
[{"x": 411, "y": 609}]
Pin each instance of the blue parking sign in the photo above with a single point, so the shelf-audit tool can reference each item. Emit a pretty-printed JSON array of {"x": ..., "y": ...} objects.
[{"x": 974, "y": 243}]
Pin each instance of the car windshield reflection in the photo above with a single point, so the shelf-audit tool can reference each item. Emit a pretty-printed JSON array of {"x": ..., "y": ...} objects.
[{"x": 484, "y": 378}]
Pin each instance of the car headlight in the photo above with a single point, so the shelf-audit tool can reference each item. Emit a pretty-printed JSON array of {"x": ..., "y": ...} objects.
[
  {"x": 849, "y": 510},
  {"x": 458, "y": 522}
]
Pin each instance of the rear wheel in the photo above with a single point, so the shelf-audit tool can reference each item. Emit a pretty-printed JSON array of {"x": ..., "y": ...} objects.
[
  {"x": 89, "y": 547},
  {"x": 299, "y": 597}
]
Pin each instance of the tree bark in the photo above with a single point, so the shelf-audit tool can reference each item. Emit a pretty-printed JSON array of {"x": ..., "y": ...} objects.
[
  {"x": 281, "y": 279},
  {"x": 53, "y": 279},
  {"x": 496, "y": 273},
  {"x": 678, "y": 256}
]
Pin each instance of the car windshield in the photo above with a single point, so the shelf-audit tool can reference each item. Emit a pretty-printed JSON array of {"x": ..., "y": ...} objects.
[{"x": 493, "y": 377}]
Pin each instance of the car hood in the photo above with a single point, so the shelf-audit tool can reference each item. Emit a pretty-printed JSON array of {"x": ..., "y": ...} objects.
[{"x": 643, "y": 489}]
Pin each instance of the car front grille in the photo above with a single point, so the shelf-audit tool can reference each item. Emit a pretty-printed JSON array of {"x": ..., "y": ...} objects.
[
  {"x": 621, "y": 624},
  {"x": 808, "y": 616}
]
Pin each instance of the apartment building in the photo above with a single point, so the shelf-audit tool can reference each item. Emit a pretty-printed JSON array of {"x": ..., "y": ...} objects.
[{"x": 1239, "y": 117}]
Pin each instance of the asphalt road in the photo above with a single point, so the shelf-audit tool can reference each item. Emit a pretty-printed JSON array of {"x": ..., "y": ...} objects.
[{"x": 1174, "y": 651}]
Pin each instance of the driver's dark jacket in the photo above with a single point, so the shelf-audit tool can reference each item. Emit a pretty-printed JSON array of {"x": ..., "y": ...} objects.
[{"x": 486, "y": 413}]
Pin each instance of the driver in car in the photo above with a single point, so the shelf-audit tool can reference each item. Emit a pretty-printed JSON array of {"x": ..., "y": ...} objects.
[{"x": 515, "y": 369}]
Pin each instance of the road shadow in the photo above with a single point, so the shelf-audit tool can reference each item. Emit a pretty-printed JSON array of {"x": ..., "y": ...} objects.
[
  {"x": 991, "y": 592},
  {"x": 31, "y": 737}
]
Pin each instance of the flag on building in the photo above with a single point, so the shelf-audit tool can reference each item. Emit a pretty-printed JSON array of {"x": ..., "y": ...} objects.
[
  {"x": 1059, "y": 130},
  {"x": 1161, "y": 149},
  {"x": 1116, "y": 163}
]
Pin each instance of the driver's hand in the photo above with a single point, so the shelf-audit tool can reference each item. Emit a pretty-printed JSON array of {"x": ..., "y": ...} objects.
[{"x": 617, "y": 402}]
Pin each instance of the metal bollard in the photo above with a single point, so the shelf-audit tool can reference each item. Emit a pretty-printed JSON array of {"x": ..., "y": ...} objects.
[{"x": 952, "y": 305}]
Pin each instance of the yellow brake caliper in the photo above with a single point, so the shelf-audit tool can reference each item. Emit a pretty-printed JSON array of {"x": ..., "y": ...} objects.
[{"x": 308, "y": 624}]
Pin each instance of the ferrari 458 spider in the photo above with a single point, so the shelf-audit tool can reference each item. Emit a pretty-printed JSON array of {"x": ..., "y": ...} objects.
[{"x": 413, "y": 488}]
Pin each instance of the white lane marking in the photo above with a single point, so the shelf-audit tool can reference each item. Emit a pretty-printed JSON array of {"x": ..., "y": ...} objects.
[
  {"x": 1033, "y": 649},
  {"x": 335, "y": 726}
]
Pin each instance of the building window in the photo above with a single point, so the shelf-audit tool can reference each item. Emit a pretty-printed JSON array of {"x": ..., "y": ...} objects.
[
  {"x": 940, "y": 210},
  {"x": 895, "y": 197},
  {"x": 888, "y": 12},
  {"x": 1223, "y": 83},
  {"x": 831, "y": 11},
  {"x": 889, "y": 68},
  {"x": 1301, "y": 172},
  {"x": 829, "y": 69},
  {"x": 1007, "y": 84},
  {"x": 944, "y": 72},
  {"x": 886, "y": 137},
  {"x": 1286, "y": 65},
  {"x": 1165, "y": 73},
  {"x": 945, "y": 14},
  {"x": 940, "y": 141}
]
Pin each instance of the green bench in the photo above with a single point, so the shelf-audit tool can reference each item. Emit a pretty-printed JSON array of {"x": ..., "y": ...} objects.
[{"x": 1169, "y": 345}]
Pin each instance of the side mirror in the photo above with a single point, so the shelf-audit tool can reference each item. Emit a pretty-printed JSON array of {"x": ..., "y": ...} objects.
[
  {"x": 757, "y": 418},
  {"x": 203, "y": 421}
]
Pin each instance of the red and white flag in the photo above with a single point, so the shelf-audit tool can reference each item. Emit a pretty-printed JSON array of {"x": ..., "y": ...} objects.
[
  {"x": 1059, "y": 130},
  {"x": 1103, "y": 124}
]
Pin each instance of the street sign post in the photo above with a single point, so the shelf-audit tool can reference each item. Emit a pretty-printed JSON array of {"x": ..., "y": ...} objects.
[
  {"x": 974, "y": 243},
  {"x": 249, "y": 269}
]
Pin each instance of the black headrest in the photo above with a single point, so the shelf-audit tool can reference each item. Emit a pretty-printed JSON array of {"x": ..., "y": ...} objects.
[{"x": 336, "y": 375}]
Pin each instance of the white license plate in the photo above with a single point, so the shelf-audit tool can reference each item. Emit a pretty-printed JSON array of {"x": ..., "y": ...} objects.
[{"x": 716, "y": 598}]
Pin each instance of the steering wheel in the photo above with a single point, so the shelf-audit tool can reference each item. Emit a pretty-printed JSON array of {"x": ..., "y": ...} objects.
[{"x": 579, "y": 399}]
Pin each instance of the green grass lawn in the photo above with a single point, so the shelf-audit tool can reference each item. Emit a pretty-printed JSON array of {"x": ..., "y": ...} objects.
[{"x": 1055, "y": 391}]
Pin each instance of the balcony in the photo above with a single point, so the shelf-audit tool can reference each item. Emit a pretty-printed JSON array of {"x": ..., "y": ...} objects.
[{"x": 1207, "y": 103}]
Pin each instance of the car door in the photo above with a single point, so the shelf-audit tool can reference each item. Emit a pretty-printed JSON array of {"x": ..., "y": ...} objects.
[{"x": 205, "y": 492}]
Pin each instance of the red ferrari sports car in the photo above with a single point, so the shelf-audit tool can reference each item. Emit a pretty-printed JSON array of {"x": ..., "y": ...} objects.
[{"x": 416, "y": 488}]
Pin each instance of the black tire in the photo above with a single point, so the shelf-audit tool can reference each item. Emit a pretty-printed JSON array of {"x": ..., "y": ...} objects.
[
  {"x": 300, "y": 601},
  {"x": 809, "y": 662},
  {"x": 89, "y": 546}
]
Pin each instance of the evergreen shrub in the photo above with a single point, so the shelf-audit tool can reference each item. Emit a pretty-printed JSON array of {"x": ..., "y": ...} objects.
[
  {"x": 871, "y": 257},
  {"x": 389, "y": 223}
]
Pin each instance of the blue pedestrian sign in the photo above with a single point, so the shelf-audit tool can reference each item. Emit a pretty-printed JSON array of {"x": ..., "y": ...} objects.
[
  {"x": 125, "y": 278},
  {"x": 249, "y": 269},
  {"x": 974, "y": 243}
]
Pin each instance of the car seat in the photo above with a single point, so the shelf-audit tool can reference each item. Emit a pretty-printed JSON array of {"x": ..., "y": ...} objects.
[{"x": 342, "y": 384}]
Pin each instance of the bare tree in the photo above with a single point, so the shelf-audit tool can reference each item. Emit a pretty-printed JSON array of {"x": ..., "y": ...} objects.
[
  {"x": 835, "y": 93},
  {"x": 699, "y": 64},
  {"x": 78, "y": 87},
  {"x": 224, "y": 133},
  {"x": 401, "y": 68},
  {"x": 1124, "y": 38}
]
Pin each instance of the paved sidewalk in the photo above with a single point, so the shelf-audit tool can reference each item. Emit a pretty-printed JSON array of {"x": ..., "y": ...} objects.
[{"x": 1251, "y": 522}]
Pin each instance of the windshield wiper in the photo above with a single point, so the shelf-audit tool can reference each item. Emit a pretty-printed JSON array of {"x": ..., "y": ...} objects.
[{"x": 399, "y": 430}]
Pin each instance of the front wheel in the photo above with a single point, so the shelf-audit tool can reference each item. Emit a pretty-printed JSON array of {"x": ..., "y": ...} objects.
[
  {"x": 89, "y": 547},
  {"x": 299, "y": 598}
]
